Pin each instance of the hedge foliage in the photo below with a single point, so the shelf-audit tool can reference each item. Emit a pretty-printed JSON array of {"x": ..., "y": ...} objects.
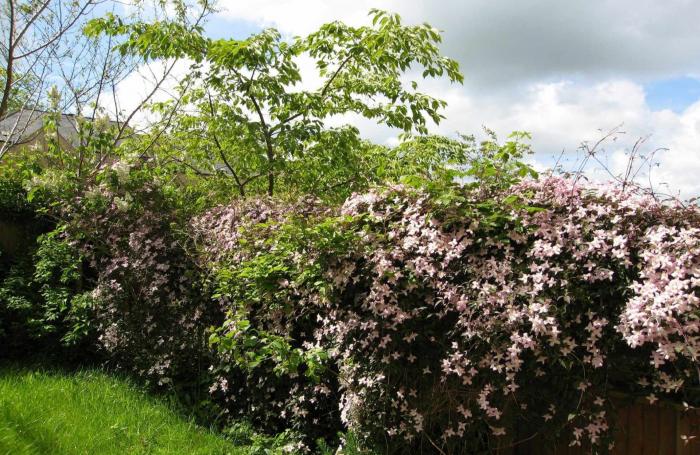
[
  {"x": 411, "y": 319},
  {"x": 420, "y": 321}
]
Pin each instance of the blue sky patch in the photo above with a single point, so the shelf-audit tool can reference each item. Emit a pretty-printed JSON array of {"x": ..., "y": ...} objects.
[
  {"x": 674, "y": 94},
  {"x": 218, "y": 27}
]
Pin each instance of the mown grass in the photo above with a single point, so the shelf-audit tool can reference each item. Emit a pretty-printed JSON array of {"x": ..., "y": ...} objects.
[{"x": 91, "y": 412}]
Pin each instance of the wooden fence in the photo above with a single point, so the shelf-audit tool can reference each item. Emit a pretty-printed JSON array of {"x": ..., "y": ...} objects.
[
  {"x": 12, "y": 237},
  {"x": 17, "y": 237},
  {"x": 641, "y": 429}
]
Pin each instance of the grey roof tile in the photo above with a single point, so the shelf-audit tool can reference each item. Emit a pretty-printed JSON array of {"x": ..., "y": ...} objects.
[{"x": 23, "y": 126}]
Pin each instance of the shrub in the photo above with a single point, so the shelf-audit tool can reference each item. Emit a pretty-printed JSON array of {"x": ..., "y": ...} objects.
[
  {"x": 42, "y": 299},
  {"x": 13, "y": 198},
  {"x": 473, "y": 316},
  {"x": 268, "y": 366},
  {"x": 450, "y": 321},
  {"x": 41, "y": 306},
  {"x": 149, "y": 314}
]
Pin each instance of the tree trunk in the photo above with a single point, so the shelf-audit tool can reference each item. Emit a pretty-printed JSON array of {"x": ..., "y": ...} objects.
[
  {"x": 270, "y": 174},
  {"x": 10, "y": 61}
]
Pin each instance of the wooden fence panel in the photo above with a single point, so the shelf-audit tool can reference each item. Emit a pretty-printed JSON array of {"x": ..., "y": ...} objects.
[
  {"x": 621, "y": 431},
  {"x": 650, "y": 430},
  {"x": 641, "y": 429},
  {"x": 635, "y": 424},
  {"x": 668, "y": 440},
  {"x": 687, "y": 425}
]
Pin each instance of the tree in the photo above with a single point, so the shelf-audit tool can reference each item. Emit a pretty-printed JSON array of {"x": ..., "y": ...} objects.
[
  {"x": 246, "y": 109},
  {"x": 36, "y": 35},
  {"x": 49, "y": 62}
]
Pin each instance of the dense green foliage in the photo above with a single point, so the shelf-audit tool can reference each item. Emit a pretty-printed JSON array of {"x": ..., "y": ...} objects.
[
  {"x": 13, "y": 198},
  {"x": 41, "y": 303}
]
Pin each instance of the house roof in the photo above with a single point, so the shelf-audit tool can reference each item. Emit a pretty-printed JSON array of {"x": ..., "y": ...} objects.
[{"x": 23, "y": 126}]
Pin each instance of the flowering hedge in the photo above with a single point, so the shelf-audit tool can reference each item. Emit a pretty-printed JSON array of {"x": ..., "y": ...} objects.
[
  {"x": 458, "y": 321},
  {"x": 425, "y": 322},
  {"x": 564, "y": 297},
  {"x": 149, "y": 313},
  {"x": 267, "y": 366}
]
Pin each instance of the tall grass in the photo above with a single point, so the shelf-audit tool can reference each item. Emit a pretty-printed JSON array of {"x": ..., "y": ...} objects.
[{"x": 92, "y": 413}]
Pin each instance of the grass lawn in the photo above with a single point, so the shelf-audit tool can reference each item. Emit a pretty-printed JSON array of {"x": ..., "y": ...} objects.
[{"x": 92, "y": 413}]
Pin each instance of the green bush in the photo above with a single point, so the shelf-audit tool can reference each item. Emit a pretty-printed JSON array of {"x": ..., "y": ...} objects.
[{"x": 42, "y": 303}]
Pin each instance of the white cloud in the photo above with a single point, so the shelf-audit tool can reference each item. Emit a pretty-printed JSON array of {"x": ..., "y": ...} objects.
[
  {"x": 680, "y": 165},
  {"x": 138, "y": 86},
  {"x": 564, "y": 71},
  {"x": 561, "y": 115},
  {"x": 500, "y": 42},
  {"x": 299, "y": 17}
]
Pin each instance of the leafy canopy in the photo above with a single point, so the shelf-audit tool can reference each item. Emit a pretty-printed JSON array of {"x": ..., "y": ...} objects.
[{"x": 246, "y": 109}]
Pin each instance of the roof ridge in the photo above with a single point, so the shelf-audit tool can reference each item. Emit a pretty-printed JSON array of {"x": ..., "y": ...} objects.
[{"x": 43, "y": 111}]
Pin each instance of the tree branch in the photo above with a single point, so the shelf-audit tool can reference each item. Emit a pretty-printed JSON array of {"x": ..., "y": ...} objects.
[
  {"x": 324, "y": 90},
  {"x": 31, "y": 20},
  {"x": 270, "y": 152},
  {"x": 241, "y": 188},
  {"x": 62, "y": 30}
]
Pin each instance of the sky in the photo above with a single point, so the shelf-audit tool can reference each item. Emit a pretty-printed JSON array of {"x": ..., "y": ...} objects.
[{"x": 566, "y": 71}]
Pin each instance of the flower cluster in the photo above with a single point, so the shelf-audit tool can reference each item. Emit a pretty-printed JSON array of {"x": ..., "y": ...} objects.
[
  {"x": 151, "y": 313},
  {"x": 467, "y": 318}
]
